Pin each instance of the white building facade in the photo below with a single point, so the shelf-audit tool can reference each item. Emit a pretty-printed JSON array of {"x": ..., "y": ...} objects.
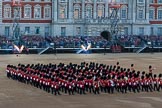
[{"x": 82, "y": 17}]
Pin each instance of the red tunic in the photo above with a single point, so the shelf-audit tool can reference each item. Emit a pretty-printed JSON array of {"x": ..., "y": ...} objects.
[
  {"x": 90, "y": 82},
  {"x": 96, "y": 84}
]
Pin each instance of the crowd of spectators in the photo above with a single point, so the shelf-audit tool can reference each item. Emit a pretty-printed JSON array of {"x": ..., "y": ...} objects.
[
  {"x": 76, "y": 42},
  {"x": 129, "y": 40},
  {"x": 33, "y": 41},
  {"x": 36, "y": 41},
  {"x": 5, "y": 42}
]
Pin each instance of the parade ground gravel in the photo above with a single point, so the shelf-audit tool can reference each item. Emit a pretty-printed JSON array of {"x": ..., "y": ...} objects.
[{"x": 14, "y": 94}]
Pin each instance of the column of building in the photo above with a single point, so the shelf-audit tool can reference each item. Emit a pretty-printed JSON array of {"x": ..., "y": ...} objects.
[
  {"x": 147, "y": 17},
  {"x": 131, "y": 15},
  {"x": 53, "y": 16},
  {"x": 94, "y": 10},
  {"x": 147, "y": 10},
  {"x": 0, "y": 14},
  {"x": 70, "y": 9},
  {"x": 83, "y": 9},
  {"x": 134, "y": 13},
  {"x": 55, "y": 9},
  {"x": 83, "y": 17},
  {"x": 134, "y": 10},
  {"x": 70, "y": 17},
  {"x": 106, "y": 8}
]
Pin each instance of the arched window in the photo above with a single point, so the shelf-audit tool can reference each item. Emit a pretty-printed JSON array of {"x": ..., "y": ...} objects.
[
  {"x": 77, "y": 1},
  {"x": 159, "y": 1},
  {"x": 151, "y": 13},
  {"x": 151, "y": 1},
  {"x": 100, "y": 11},
  {"x": 77, "y": 11},
  {"x": 7, "y": 11},
  {"x": 140, "y": 13},
  {"x": 47, "y": 11},
  {"x": 27, "y": 11},
  {"x": 159, "y": 13},
  {"x": 124, "y": 12},
  {"x": 62, "y": 11},
  {"x": 37, "y": 11},
  {"x": 89, "y": 11}
]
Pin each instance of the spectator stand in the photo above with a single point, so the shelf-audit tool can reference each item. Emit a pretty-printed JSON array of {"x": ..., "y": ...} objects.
[{"x": 36, "y": 43}]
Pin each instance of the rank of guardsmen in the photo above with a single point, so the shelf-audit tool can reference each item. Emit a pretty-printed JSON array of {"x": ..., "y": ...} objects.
[{"x": 85, "y": 78}]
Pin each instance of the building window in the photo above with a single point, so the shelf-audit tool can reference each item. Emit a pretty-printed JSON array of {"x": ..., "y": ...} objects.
[
  {"x": 37, "y": 30},
  {"x": 7, "y": 31},
  {"x": 77, "y": 13},
  {"x": 62, "y": 11},
  {"x": 159, "y": 14},
  {"x": 123, "y": 13},
  {"x": 151, "y": 14},
  {"x": 100, "y": 11},
  {"x": 47, "y": 12},
  {"x": 7, "y": 12},
  {"x": 47, "y": 0},
  {"x": 62, "y": 0},
  {"x": 37, "y": 0},
  {"x": 111, "y": 12},
  {"x": 140, "y": 14},
  {"x": 141, "y": 30},
  {"x": 17, "y": 13},
  {"x": 37, "y": 12},
  {"x": 27, "y": 30},
  {"x": 27, "y": 12},
  {"x": 125, "y": 30},
  {"x": 93, "y": 31},
  {"x": 141, "y": 1},
  {"x": 160, "y": 31},
  {"x": 151, "y": 31},
  {"x": 77, "y": 1},
  {"x": 151, "y": 1},
  {"x": 46, "y": 31},
  {"x": 78, "y": 31},
  {"x": 159, "y": 1},
  {"x": 63, "y": 31},
  {"x": 88, "y": 11}
]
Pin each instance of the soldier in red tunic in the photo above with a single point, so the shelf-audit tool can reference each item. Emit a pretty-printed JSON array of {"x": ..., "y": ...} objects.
[
  {"x": 132, "y": 67},
  {"x": 148, "y": 83},
  {"x": 48, "y": 85},
  {"x": 74, "y": 85},
  {"x": 155, "y": 83},
  {"x": 70, "y": 87},
  {"x": 82, "y": 87},
  {"x": 118, "y": 85},
  {"x": 160, "y": 82},
  {"x": 102, "y": 85},
  {"x": 56, "y": 88},
  {"x": 142, "y": 83},
  {"x": 52, "y": 87},
  {"x": 86, "y": 84},
  {"x": 108, "y": 85},
  {"x": 8, "y": 71},
  {"x": 96, "y": 86},
  {"x": 123, "y": 85},
  {"x": 112, "y": 85},
  {"x": 41, "y": 83},
  {"x": 90, "y": 85}
]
